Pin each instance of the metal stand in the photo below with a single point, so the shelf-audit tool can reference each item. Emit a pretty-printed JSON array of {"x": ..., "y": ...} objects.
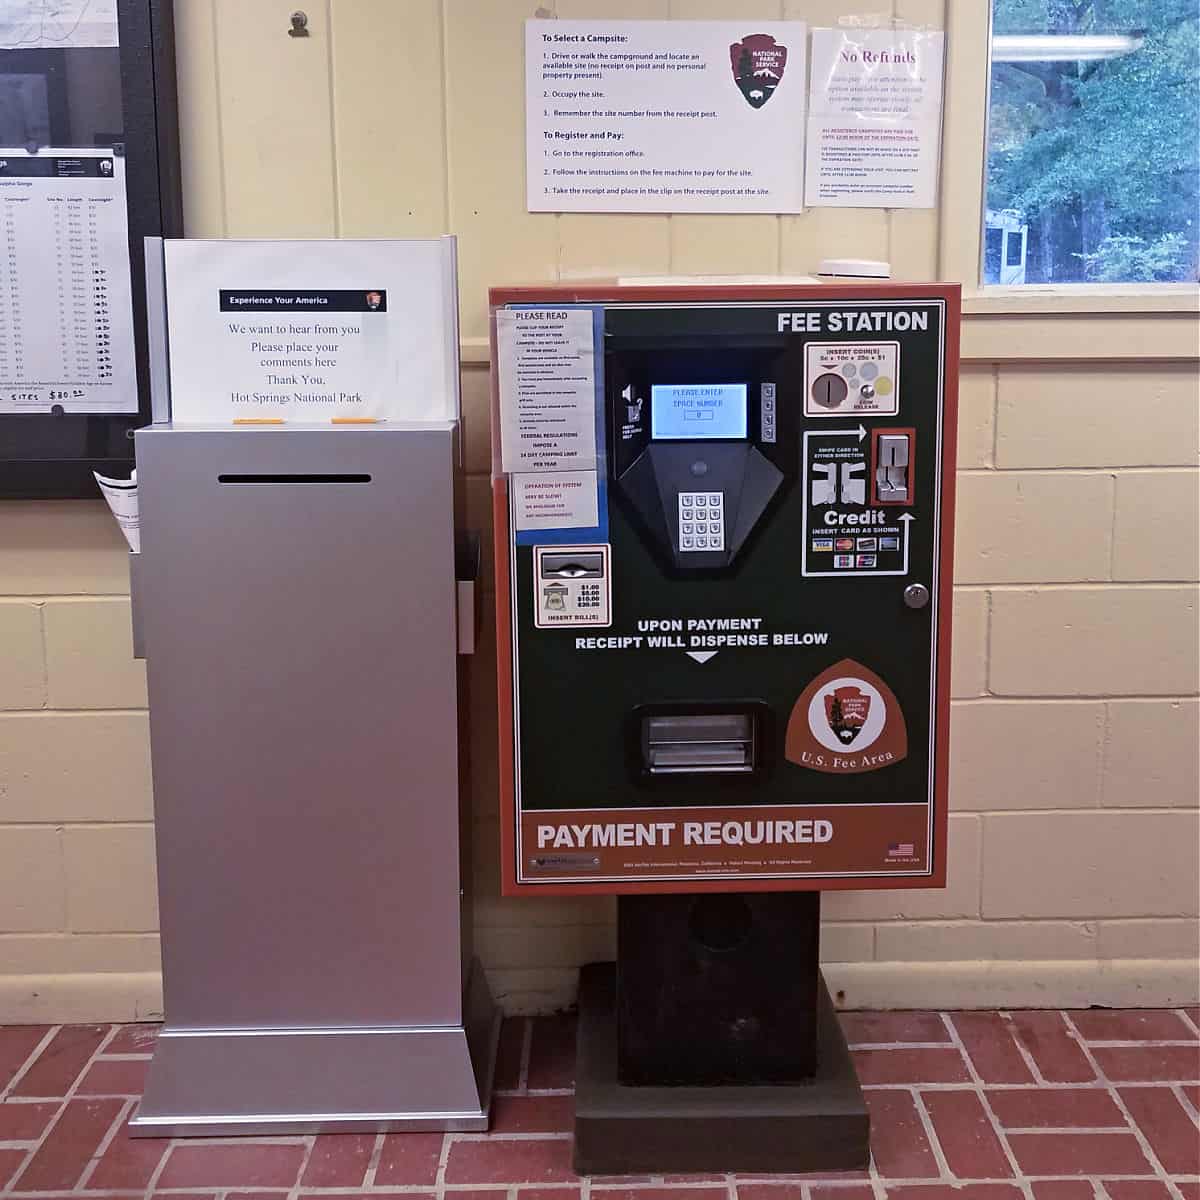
[
  {"x": 224, "y": 1082},
  {"x": 296, "y": 593},
  {"x": 727, "y": 1104}
]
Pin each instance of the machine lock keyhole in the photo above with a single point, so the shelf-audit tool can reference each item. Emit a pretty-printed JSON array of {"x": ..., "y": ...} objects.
[{"x": 916, "y": 595}]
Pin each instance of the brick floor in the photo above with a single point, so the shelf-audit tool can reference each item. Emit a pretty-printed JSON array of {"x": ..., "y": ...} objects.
[{"x": 1093, "y": 1105}]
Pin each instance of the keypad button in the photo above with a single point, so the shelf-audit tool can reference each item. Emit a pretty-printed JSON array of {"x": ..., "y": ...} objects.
[
  {"x": 689, "y": 527},
  {"x": 687, "y": 543},
  {"x": 702, "y": 543},
  {"x": 689, "y": 514},
  {"x": 714, "y": 500}
]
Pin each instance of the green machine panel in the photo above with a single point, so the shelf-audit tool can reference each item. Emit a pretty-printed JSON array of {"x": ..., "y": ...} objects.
[{"x": 723, "y": 538}]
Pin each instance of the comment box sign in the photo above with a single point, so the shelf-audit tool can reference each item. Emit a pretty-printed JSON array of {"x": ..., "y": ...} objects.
[{"x": 311, "y": 331}]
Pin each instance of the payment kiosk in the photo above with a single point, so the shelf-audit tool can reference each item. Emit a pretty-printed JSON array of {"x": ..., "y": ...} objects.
[{"x": 723, "y": 546}]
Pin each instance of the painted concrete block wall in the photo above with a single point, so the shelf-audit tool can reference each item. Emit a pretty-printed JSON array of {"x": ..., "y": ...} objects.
[{"x": 1073, "y": 874}]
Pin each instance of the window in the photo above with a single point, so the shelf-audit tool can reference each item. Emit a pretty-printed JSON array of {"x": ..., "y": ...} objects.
[{"x": 1093, "y": 154}]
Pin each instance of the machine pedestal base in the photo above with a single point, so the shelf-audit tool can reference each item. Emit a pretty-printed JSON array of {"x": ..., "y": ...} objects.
[
  {"x": 221, "y": 1082},
  {"x": 820, "y": 1125}
]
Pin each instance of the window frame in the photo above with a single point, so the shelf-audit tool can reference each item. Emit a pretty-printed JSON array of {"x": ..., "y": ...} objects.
[{"x": 1157, "y": 320}]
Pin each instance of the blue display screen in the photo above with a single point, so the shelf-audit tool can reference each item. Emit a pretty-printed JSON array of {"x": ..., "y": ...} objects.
[{"x": 693, "y": 411}]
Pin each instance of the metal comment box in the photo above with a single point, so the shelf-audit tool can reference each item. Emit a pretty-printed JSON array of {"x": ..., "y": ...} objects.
[{"x": 296, "y": 594}]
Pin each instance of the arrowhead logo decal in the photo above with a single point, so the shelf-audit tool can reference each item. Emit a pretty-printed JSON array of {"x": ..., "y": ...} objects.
[
  {"x": 757, "y": 62},
  {"x": 847, "y": 709},
  {"x": 846, "y": 721}
]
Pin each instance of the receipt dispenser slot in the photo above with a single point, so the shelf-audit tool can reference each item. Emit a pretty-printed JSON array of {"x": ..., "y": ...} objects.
[{"x": 699, "y": 743}]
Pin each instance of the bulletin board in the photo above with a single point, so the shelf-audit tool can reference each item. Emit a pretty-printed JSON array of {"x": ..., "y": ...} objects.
[{"x": 89, "y": 166}]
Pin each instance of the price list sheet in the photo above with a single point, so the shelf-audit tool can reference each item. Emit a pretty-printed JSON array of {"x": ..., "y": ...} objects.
[{"x": 66, "y": 313}]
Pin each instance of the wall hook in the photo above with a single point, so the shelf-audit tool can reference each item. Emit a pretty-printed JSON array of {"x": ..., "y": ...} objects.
[{"x": 299, "y": 25}]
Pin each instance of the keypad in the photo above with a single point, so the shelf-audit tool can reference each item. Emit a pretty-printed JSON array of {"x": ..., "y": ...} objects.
[{"x": 702, "y": 521}]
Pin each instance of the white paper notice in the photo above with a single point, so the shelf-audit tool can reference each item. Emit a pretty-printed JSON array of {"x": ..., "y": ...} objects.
[
  {"x": 53, "y": 24},
  {"x": 555, "y": 500},
  {"x": 547, "y": 389},
  {"x": 312, "y": 331},
  {"x": 664, "y": 116},
  {"x": 874, "y": 126},
  {"x": 66, "y": 313},
  {"x": 122, "y": 497}
]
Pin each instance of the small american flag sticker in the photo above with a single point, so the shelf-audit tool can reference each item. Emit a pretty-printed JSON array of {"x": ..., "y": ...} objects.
[{"x": 900, "y": 850}]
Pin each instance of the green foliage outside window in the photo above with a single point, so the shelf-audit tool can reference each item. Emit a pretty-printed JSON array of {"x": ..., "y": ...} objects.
[{"x": 1100, "y": 160}]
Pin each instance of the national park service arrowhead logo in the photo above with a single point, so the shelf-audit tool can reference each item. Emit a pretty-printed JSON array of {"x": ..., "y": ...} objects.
[
  {"x": 757, "y": 63},
  {"x": 846, "y": 721},
  {"x": 847, "y": 709}
]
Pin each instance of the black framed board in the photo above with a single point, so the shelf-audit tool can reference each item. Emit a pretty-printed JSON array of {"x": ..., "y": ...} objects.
[{"x": 89, "y": 166}]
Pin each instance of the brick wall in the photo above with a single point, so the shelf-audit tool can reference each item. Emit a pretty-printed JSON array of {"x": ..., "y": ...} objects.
[{"x": 77, "y": 893}]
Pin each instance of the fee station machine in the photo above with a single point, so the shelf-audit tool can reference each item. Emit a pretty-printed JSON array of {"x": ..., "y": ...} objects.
[{"x": 723, "y": 546}]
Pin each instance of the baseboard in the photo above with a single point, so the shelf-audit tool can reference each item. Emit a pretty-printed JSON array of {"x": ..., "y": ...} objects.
[
  {"x": 1067, "y": 983},
  {"x": 71, "y": 999},
  {"x": 1064, "y": 983},
  {"x": 1116, "y": 983}
]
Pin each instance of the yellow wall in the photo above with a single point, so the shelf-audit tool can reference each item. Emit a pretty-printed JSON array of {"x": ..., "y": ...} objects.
[{"x": 1074, "y": 784}]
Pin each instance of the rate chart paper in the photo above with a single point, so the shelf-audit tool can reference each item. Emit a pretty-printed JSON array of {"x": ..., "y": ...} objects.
[{"x": 66, "y": 309}]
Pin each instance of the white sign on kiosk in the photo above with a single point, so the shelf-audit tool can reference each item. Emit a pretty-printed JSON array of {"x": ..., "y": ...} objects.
[
  {"x": 312, "y": 331},
  {"x": 547, "y": 383}
]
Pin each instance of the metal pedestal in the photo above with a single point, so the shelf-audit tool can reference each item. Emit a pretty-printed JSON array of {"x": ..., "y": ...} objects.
[
  {"x": 819, "y": 1125},
  {"x": 298, "y": 608},
  {"x": 712, "y": 1043},
  {"x": 226, "y": 1082}
]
